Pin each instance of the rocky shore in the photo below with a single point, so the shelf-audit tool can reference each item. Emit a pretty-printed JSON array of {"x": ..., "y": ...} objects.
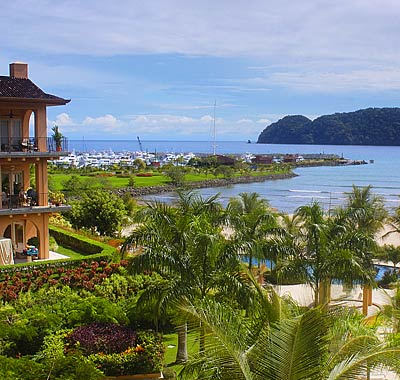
[{"x": 217, "y": 182}]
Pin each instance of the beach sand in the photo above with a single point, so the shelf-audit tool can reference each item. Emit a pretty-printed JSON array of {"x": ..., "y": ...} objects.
[{"x": 391, "y": 239}]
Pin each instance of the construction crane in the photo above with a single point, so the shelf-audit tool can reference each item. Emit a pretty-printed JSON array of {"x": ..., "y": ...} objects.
[{"x": 140, "y": 144}]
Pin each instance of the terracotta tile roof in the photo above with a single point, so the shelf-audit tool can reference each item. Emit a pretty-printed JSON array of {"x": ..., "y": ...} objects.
[{"x": 24, "y": 88}]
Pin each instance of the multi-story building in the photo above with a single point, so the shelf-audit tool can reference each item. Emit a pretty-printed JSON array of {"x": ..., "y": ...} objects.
[{"x": 24, "y": 152}]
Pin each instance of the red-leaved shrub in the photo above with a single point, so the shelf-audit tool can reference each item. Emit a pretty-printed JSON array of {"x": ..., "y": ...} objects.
[{"x": 108, "y": 338}]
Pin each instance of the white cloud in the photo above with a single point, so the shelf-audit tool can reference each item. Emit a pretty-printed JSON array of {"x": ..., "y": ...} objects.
[
  {"x": 264, "y": 121},
  {"x": 107, "y": 124},
  {"x": 244, "y": 121},
  {"x": 207, "y": 119},
  {"x": 162, "y": 125},
  {"x": 315, "y": 46},
  {"x": 278, "y": 29},
  {"x": 354, "y": 80},
  {"x": 63, "y": 119},
  {"x": 344, "y": 79}
]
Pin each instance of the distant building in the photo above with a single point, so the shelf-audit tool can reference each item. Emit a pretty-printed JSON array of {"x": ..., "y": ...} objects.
[
  {"x": 290, "y": 159},
  {"x": 263, "y": 159},
  {"x": 224, "y": 160}
]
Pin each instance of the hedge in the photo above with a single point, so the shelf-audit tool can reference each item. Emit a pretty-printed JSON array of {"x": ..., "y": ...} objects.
[
  {"x": 66, "y": 263},
  {"x": 79, "y": 243},
  {"x": 95, "y": 250}
]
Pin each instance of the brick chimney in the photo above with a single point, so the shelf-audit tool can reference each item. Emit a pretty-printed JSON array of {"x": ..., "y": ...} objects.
[{"x": 19, "y": 70}]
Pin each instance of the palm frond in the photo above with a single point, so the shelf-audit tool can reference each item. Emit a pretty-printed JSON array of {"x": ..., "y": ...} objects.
[
  {"x": 293, "y": 349},
  {"x": 227, "y": 341}
]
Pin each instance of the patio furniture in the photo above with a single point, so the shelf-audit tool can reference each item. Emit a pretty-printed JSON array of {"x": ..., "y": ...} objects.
[{"x": 30, "y": 251}]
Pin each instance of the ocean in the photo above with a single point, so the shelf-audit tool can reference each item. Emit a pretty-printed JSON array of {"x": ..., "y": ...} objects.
[{"x": 327, "y": 185}]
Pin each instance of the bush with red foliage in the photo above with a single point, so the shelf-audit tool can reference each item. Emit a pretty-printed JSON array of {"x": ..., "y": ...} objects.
[{"x": 108, "y": 338}]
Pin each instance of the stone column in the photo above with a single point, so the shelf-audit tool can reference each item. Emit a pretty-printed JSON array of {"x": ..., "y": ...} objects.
[
  {"x": 41, "y": 129},
  {"x": 41, "y": 182},
  {"x": 43, "y": 233}
]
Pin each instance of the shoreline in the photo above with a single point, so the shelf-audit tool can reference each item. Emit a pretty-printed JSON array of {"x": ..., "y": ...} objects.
[
  {"x": 223, "y": 182},
  {"x": 215, "y": 182}
]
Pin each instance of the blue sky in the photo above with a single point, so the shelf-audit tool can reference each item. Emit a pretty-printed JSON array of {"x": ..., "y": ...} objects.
[{"x": 154, "y": 68}]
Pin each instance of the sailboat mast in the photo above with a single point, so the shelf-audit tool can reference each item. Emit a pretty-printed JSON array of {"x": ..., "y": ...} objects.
[{"x": 214, "y": 132}]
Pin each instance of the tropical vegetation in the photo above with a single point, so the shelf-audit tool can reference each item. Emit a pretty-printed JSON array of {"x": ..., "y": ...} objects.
[
  {"x": 203, "y": 272},
  {"x": 371, "y": 126}
]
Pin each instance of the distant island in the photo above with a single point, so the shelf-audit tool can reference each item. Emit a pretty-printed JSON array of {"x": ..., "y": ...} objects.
[{"x": 371, "y": 126}]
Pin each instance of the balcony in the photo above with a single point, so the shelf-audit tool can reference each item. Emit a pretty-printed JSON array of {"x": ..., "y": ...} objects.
[
  {"x": 28, "y": 203},
  {"x": 32, "y": 145}
]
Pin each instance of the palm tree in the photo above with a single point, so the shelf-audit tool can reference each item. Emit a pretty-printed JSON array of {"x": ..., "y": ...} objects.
[
  {"x": 365, "y": 209},
  {"x": 326, "y": 248},
  {"x": 312, "y": 345},
  {"x": 286, "y": 243},
  {"x": 366, "y": 213},
  {"x": 392, "y": 253},
  {"x": 184, "y": 244},
  {"x": 252, "y": 219},
  {"x": 392, "y": 312}
]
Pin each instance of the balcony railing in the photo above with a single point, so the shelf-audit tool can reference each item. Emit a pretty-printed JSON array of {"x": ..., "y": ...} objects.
[
  {"x": 33, "y": 144},
  {"x": 28, "y": 200}
]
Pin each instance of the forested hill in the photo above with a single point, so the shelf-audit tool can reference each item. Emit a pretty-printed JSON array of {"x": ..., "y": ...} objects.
[{"x": 371, "y": 126}]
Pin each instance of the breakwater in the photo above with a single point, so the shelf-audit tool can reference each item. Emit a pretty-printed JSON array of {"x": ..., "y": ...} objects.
[{"x": 216, "y": 182}]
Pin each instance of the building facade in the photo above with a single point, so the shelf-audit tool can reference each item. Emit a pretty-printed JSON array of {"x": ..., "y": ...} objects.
[{"x": 25, "y": 149}]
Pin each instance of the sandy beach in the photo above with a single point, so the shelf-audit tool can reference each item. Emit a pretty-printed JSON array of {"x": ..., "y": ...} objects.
[{"x": 391, "y": 239}]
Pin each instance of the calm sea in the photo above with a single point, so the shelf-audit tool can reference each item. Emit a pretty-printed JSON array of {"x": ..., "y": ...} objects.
[{"x": 327, "y": 185}]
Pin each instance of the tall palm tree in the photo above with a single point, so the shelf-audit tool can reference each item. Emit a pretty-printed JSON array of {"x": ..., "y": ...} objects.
[
  {"x": 365, "y": 210},
  {"x": 252, "y": 219},
  {"x": 184, "y": 244},
  {"x": 391, "y": 253},
  {"x": 326, "y": 248},
  {"x": 311, "y": 346},
  {"x": 366, "y": 213}
]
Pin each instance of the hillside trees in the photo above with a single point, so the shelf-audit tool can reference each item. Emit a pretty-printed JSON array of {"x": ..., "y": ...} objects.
[{"x": 372, "y": 126}]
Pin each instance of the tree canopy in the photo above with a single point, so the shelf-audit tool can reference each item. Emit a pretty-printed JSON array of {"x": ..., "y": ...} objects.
[
  {"x": 371, "y": 126},
  {"x": 100, "y": 210}
]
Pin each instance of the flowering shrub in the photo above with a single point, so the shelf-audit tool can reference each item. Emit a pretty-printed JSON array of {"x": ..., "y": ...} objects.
[
  {"x": 117, "y": 350},
  {"x": 86, "y": 276},
  {"x": 145, "y": 357}
]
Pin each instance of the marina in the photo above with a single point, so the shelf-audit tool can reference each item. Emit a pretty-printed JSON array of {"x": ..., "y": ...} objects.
[
  {"x": 327, "y": 185},
  {"x": 106, "y": 159}
]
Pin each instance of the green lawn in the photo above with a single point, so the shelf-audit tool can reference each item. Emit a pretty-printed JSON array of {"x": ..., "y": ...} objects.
[
  {"x": 171, "y": 342},
  {"x": 157, "y": 179},
  {"x": 69, "y": 252},
  {"x": 114, "y": 182}
]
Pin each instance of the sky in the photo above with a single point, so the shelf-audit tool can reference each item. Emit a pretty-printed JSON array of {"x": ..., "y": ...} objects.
[{"x": 161, "y": 69}]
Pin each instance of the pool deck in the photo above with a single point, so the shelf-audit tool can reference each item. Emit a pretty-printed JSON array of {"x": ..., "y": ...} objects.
[{"x": 52, "y": 256}]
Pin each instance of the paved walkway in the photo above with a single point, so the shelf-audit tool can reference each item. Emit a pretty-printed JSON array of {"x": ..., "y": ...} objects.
[
  {"x": 52, "y": 256},
  {"x": 303, "y": 294}
]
